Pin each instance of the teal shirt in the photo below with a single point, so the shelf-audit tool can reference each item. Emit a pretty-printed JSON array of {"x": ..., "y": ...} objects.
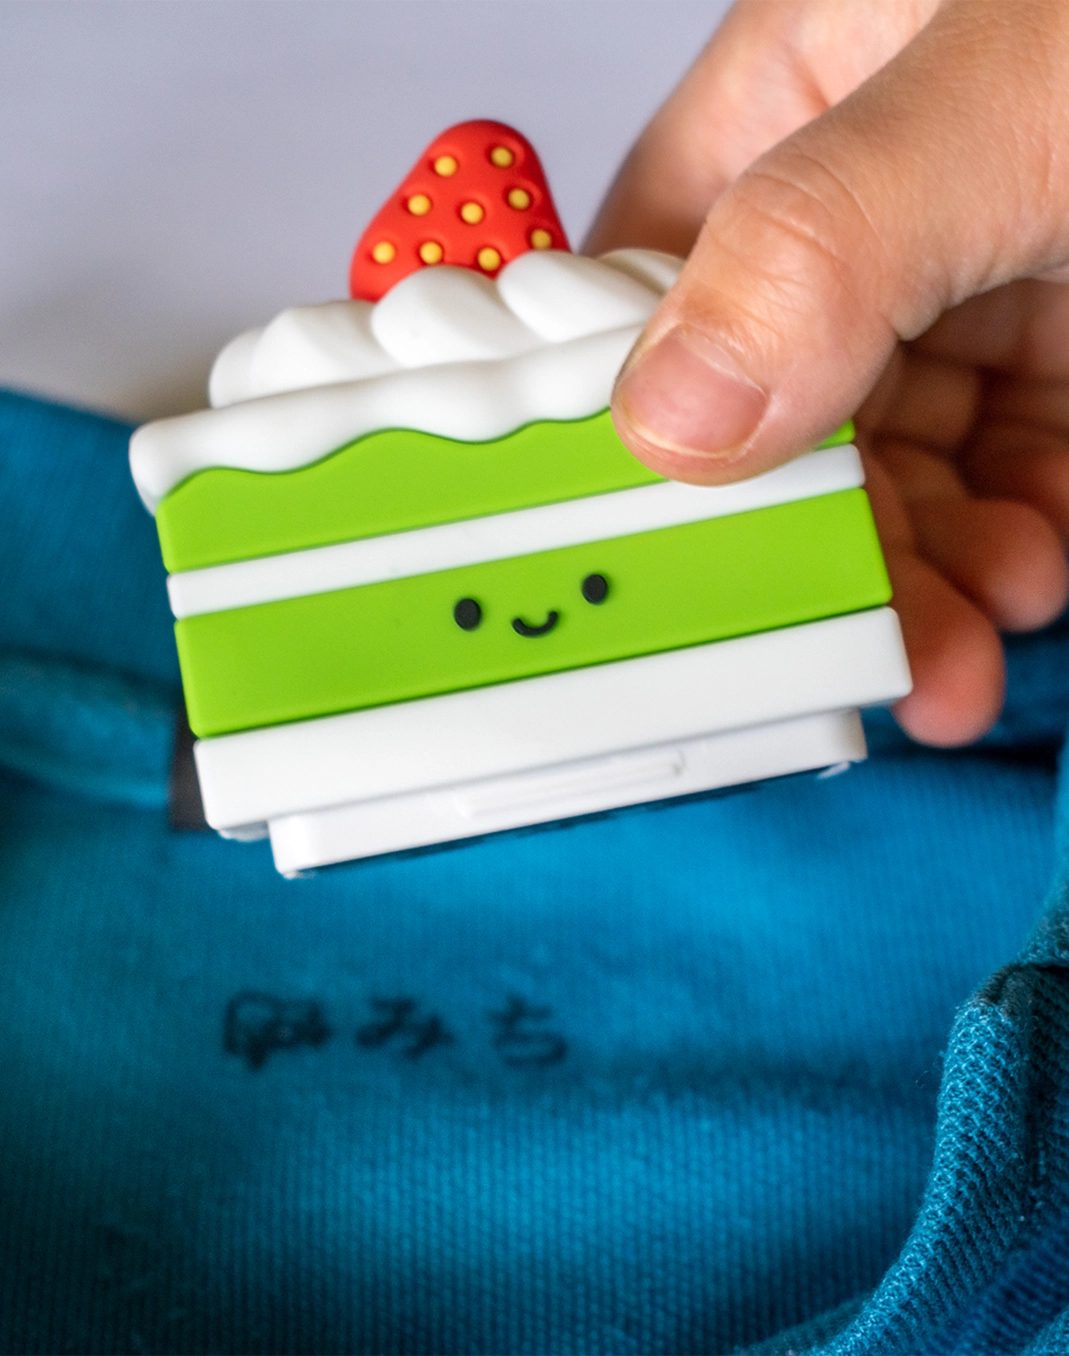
[{"x": 786, "y": 1069}]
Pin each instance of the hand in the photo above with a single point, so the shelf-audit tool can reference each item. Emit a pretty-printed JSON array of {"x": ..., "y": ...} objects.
[{"x": 879, "y": 196}]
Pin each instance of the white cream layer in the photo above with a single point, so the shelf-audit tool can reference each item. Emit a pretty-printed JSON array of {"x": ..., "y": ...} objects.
[
  {"x": 256, "y": 775},
  {"x": 500, "y": 536},
  {"x": 446, "y": 351},
  {"x": 444, "y": 315}
]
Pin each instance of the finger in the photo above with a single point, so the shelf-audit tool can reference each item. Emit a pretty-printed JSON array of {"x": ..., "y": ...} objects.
[
  {"x": 1033, "y": 404},
  {"x": 1022, "y": 463},
  {"x": 892, "y": 521},
  {"x": 954, "y": 654},
  {"x": 924, "y": 399},
  {"x": 917, "y": 473},
  {"x": 1020, "y": 328},
  {"x": 771, "y": 67},
  {"x": 855, "y": 232},
  {"x": 1003, "y": 556}
]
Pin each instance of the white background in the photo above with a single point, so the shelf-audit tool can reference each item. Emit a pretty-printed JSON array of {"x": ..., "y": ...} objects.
[{"x": 173, "y": 171}]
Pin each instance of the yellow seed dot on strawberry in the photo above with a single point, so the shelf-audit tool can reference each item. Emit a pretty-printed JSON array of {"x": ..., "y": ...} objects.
[
  {"x": 384, "y": 252},
  {"x": 488, "y": 258},
  {"x": 431, "y": 252},
  {"x": 419, "y": 204},
  {"x": 519, "y": 198},
  {"x": 446, "y": 166},
  {"x": 472, "y": 213},
  {"x": 501, "y": 156},
  {"x": 541, "y": 240}
]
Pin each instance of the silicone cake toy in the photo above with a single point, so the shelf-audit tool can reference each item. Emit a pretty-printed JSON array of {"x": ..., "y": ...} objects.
[{"x": 423, "y": 592}]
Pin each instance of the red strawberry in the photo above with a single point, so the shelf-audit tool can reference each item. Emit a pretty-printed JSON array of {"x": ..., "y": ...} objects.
[{"x": 476, "y": 197}]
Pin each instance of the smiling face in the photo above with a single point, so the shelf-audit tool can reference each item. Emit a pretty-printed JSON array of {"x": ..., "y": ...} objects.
[
  {"x": 526, "y": 615},
  {"x": 468, "y": 614}
]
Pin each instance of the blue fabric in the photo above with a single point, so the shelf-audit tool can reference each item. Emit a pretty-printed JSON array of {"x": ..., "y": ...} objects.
[{"x": 779, "y": 1071}]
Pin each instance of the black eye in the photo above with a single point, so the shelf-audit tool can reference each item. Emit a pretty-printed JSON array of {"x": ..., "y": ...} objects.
[
  {"x": 467, "y": 614},
  {"x": 595, "y": 588}
]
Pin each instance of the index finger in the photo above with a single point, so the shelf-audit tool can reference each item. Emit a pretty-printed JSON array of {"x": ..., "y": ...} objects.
[
  {"x": 771, "y": 67},
  {"x": 1021, "y": 329}
]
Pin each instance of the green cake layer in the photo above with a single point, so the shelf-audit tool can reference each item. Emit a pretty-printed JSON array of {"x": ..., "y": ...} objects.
[
  {"x": 393, "y": 641},
  {"x": 389, "y": 482}
]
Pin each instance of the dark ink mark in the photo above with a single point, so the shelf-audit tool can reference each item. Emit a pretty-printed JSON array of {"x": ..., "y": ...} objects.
[
  {"x": 256, "y": 1024},
  {"x": 517, "y": 1044},
  {"x": 595, "y": 588},
  {"x": 467, "y": 614},
  {"x": 399, "y": 1019},
  {"x": 523, "y": 629}
]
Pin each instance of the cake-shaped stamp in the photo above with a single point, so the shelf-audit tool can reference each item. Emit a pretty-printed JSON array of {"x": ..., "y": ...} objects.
[{"x": 424, "y": 593}]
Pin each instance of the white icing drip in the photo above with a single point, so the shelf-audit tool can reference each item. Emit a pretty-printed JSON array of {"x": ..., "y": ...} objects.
[
  {"x": 446, "y": 351},
  {"x": 564, "y": 296},
  {"x": 471, "y": 402},
  {"x": 448, "y": 315}
]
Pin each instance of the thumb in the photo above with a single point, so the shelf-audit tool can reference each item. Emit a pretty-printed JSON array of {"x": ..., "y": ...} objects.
[{"x": 943, "y": 175}]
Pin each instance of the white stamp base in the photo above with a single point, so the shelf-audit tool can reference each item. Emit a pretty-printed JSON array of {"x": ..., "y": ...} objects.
[
  {"x": 302, "y": 842},
  {"x": 547, "y": 748}
]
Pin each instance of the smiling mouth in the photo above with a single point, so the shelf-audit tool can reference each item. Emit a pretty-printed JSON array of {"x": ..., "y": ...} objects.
[{"x": 523, "y": 629}]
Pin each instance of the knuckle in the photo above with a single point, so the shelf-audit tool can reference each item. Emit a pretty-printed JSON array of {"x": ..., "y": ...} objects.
[
  {"x": 797, "y": 240},
  {"x": 819, "y": 220}
]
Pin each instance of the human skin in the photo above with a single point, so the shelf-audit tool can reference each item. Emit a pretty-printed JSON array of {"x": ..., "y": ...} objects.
[{"x": 874, "y": 198}]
